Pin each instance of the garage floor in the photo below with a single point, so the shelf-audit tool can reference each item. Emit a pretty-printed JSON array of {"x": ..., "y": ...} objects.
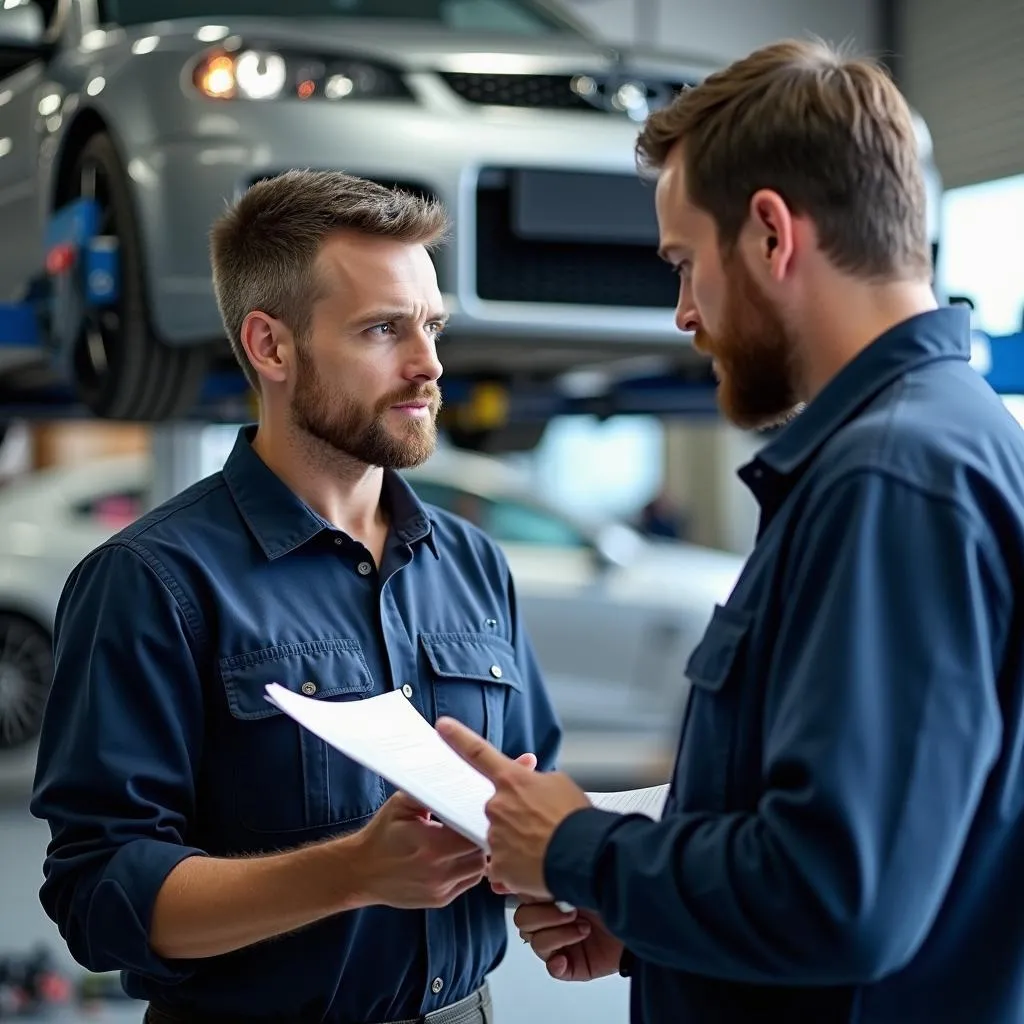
[{"x": 523, "y": 993}]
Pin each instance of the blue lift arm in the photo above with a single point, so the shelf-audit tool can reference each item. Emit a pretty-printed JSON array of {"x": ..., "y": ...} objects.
[{"x": 75, "y": 253}]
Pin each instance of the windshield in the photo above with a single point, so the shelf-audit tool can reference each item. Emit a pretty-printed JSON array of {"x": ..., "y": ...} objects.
[{"x": 521, "y": 17}]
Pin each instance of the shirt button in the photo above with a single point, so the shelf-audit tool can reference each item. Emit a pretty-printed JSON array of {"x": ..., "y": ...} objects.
[
  {"x": 364, "y": 568},
  {"x": 496, "y": 671},
  {"x": 339, "y": 540},
  {"x": 309, "y": 689},
  {"x": 436, "y": 985},
  {"x": 407, "y": 690}
]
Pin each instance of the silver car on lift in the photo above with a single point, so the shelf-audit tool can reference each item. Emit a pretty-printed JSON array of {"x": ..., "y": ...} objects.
[{"x": 508, "y": 110}]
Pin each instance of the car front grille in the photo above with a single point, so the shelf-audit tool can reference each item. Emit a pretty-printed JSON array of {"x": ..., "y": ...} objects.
[
  {"x": 547, "y": 92},
  {"x": 513, "y": 268},
  {"x": 551, "y": 92}
]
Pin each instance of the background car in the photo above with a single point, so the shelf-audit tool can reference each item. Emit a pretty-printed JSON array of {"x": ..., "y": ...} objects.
[
  {"x": 613, "y": 617},
  {"x": 507, "y": 110}
]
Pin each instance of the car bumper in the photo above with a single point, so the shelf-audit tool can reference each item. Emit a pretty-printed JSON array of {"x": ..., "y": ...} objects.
[
  {"x": 184, "y": 182},
  {"x": 612, "y": 760}
]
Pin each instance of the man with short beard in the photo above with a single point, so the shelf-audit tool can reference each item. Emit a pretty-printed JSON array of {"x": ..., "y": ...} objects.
[
  {"x": 192, "y": 821},
  {"x": 843, "y": 834}
]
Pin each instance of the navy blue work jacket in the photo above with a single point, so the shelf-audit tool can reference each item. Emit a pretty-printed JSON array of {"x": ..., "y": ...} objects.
[
  {"x": 844, "y": 838},
  {"x": 158, "y": 743}
]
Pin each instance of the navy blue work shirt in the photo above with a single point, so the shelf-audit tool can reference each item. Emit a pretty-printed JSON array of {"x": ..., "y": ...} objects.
[
  {"x": 158, "y": 743},
  {"x": 843, "y": 839}
]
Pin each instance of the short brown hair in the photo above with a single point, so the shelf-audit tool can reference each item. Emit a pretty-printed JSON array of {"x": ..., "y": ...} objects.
[
  {"x": 264, "y": 247},
  {"x": 831, "y": 134}
]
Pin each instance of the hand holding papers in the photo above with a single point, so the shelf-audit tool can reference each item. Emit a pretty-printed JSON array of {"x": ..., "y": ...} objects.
[
  {"x": 387, "y": 735},
  {"x": 524, "y": 813},
  {"x": 390, "y": 737}
]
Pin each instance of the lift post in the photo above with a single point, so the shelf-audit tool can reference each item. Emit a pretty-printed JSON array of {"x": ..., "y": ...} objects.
[{"x": 1000, "y": 360}]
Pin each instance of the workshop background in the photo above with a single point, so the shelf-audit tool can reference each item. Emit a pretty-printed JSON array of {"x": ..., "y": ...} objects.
[{"x": 580, "y": 430}]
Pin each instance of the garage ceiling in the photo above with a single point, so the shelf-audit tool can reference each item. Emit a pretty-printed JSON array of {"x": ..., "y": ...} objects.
[
  {"x": 963, "y": 68},
  {"x": 726, "y": 29}
]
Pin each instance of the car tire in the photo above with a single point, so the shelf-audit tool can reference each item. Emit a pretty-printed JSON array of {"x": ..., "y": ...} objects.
[
  {"x": 26, "y": 674},
  {"x": 121, "y": 371}
]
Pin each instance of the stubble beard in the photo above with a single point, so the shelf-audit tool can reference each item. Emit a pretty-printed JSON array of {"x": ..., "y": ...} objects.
[
  {"x": 755, "y": 355},
  {"x": 342, "y": 424}
]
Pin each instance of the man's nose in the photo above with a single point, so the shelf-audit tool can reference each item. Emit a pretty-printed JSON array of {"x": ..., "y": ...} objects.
[
  {"x": 686, "y": 316},
  {"x": 686, "y": 310},
  {"x": 425, "y": 364}
]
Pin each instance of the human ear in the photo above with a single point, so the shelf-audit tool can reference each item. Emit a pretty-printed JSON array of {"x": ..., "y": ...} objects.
[
  {"x": 772, "y": 233},
  {"x": 267, "y": 343}
]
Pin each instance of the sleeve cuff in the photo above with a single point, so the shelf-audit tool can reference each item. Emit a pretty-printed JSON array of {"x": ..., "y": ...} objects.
[
  {"x": 121, "y": 908},
  {"x": 626, "y": 964},
  {"x": 571, "y": 859}
]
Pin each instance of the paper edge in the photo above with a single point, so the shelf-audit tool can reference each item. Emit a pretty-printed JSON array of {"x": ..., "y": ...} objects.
[{"x": 481, "y": 844}]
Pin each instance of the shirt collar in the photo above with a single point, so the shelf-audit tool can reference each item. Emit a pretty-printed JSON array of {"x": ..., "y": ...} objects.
[
  {"x": 410, "y": 521},
  {"x": 281, "y": 521},
  {"x": 927, "y": 337}
]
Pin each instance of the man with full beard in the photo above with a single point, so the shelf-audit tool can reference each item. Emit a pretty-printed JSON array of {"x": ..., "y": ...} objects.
[
  {"x": 192, "y": 821},
  {"x": 843, "y": 834}
]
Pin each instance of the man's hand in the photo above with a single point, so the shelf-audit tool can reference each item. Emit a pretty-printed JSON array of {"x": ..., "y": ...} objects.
[
  {"x": 409, "y": 861},
  {"x": 413, "y": 862},
  {"x": 575, "y": 946},
  {"x": 524, "y": 812}
]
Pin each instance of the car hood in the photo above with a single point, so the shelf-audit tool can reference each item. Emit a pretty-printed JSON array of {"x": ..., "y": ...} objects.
[
  {"x": 422, "y": 47},
  {"x": 681, "y": 575}
]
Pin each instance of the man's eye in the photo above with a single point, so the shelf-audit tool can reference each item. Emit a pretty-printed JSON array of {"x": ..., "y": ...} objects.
[{"x": 383, "y": 329}]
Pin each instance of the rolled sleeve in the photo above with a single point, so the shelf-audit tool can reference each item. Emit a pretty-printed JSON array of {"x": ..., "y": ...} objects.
[
  {"x": 881, "y": 724},
  {"x": 118, "y": 910},
  {"x": 118, "y": 752}
]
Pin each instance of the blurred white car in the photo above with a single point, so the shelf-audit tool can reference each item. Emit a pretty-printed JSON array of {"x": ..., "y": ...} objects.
[{"x": 613, "y": 616}]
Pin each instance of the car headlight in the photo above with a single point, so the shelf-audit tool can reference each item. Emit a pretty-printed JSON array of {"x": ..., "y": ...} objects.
[{"x": 264, "y": 74}]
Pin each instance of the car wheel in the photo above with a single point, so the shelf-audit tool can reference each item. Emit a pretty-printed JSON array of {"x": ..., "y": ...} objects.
[
  {"x": 120, "y": 370},
  {"x": 26, "y": 672}
]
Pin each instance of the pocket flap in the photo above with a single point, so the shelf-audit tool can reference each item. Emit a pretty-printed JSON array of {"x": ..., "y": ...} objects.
[
  {"x": 314, "y": 668},
  {"x": 471, "y": 656},
  {"x": 712, "y": 659}
]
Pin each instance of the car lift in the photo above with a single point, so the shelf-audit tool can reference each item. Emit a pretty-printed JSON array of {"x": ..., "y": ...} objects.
[{"x": 81, "y": 271}]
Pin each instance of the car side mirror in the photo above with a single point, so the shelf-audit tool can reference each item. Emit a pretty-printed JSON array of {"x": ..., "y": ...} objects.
[{"x": 21, "y": 26}]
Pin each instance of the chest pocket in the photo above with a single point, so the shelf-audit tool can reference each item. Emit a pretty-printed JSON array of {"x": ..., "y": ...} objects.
[
  {"x": 715, "y": 671},
  {"x": 285, "y": 778},
  {"x": 472, "y": 676}
]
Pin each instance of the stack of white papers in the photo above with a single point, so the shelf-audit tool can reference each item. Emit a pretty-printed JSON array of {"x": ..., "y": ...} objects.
[
  {"x": 390, "y": 737},
  {"x": 649, "y": 801},
  {"x": 387, "y": 735}
]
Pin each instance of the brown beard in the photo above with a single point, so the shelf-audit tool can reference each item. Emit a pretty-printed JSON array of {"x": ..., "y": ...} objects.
[
  {"x": 360, "y": 433},
  {"x": 754, "y": 352}
]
